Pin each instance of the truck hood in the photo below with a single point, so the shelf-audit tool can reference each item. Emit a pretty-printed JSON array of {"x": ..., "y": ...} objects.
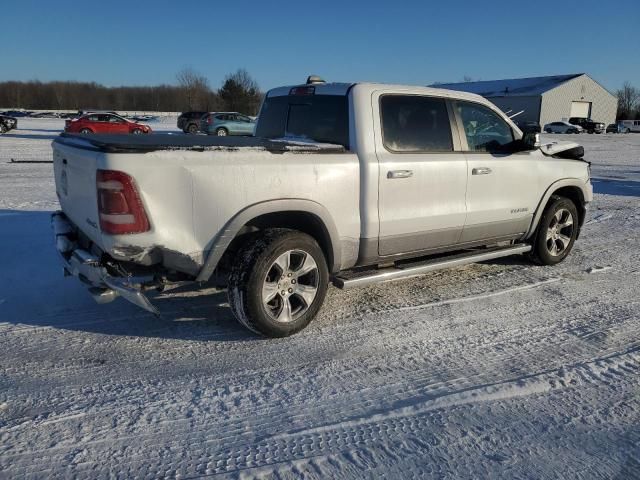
[{"x": 570, "y": 150}]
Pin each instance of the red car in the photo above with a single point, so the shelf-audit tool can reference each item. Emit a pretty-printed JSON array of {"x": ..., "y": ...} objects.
[{"x": 104, "y": 123}]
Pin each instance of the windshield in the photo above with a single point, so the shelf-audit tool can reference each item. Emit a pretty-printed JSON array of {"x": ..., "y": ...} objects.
[{"x": 319, "y": 118}]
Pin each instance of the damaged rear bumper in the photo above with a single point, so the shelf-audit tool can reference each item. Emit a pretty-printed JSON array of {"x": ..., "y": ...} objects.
[{"x": 103, "y": 286}]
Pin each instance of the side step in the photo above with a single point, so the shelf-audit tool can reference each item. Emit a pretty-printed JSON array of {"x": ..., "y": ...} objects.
[{"x": 367, "y": 277}]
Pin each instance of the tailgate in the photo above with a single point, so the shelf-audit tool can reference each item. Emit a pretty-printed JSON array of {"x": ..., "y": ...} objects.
[{"x": 75, "y": 175}]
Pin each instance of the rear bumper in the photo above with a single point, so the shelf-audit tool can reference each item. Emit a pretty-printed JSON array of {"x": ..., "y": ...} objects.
[{"x": 103, "y": 286}]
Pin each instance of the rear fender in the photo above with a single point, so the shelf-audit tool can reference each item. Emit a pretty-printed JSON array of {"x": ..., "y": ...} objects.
[{"x": 223, "y": 239}]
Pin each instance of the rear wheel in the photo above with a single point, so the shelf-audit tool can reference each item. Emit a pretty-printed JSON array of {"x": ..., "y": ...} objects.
[
  {"x": 557, "y": 232},
  {"x": 85, "y": 131},
  {"x": 193, "y": 129},
  {"x": 548, "y": 130},
  {"x": 222, "y": 132},
  {"x": 3, "y": 128},
  {"x": 278, "y": 282}
]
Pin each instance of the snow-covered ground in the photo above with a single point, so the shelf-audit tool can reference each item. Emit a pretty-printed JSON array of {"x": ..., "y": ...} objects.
[{"x": 501, "y": 369}]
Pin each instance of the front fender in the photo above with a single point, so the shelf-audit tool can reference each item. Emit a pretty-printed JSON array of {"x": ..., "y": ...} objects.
[
  {"x": 585, "y": 188},
  {"x": 225, "y": 236}
]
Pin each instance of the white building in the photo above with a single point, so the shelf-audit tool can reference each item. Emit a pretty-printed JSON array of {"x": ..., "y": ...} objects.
[{"x": 546, "y": 99}]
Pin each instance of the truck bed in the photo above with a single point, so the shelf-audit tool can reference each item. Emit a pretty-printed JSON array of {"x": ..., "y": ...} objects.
[{"x": 165, "y": 141}]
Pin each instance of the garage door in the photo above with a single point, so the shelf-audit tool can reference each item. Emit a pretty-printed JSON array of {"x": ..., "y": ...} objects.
[{"x": 580, "y": 109}]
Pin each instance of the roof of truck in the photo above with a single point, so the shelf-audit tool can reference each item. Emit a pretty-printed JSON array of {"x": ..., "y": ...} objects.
[{"x": 338, "y": 88}]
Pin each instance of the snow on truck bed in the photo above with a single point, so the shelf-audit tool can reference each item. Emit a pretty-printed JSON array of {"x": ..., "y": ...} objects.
[
  {"x": 164, "y": 141},
  {"x": 502, "y": 369}
]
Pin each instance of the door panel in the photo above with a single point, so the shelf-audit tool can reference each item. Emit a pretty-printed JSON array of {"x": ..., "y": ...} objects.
[
  {"x": 502, "y": 188},
  {"x": 500, "y": 202},
  {"x": 425, "y": 210},
  {"x": 421, "y": 193}
]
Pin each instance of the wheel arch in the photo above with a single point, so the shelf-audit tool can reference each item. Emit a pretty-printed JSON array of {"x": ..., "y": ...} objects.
[
  {"x": 568, "y": 188},
  {"x": 303, "y": 215}
]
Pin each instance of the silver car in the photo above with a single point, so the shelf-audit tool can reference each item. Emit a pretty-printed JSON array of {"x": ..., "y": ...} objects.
[{"x": 562, "y": 127}]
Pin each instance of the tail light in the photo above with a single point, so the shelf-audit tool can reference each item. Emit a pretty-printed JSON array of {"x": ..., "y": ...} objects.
[
  {"x": 119, "y": 204},
  {"x": 209, "y": 119}
]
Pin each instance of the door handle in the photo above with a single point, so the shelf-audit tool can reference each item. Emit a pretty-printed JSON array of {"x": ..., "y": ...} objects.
[
  {"x": 399, "y": 173},
  {"x": 481, "y": 171}
]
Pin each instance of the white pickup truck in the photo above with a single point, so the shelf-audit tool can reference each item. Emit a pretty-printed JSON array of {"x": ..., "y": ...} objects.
[{"x": 343, "y": 183}]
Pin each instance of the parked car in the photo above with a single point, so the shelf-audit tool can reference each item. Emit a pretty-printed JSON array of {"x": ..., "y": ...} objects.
[
  {"x": 628, "y": 126},
  {"x": 18, "y": 113},
  {"x": 227, "y": 123},
  {"x": 588, "y": 125},
  {"x": 613, "y": 128},
  {"x": 7, "y": 123},
  {"x": 104, "y": 123},
  {"x": 529, "y": 127},
  {"x": 189, "y": 122},
  {"x": 377, "y": 186},
  {"x": 562, "y": 127}
]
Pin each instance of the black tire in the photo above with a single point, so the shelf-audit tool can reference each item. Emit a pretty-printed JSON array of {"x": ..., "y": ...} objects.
[
  {"x": 543, "y": 245},
  {"x": 250, "y": 274},
  {"x": 548, "y": 130},
  {"x": 222, "y": 132},
  {"x": 137, "y": 131},
  {"x": 192, "y": 129},
  {"x": 85, "y": 131},
  {"x": 3, "y": 128}
]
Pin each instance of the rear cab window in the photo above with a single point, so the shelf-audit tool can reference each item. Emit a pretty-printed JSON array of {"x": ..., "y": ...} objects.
[{"x": 311, "y": 117}]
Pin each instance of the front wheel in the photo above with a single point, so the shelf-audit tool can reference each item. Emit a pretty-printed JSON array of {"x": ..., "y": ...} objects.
[
  {"x": 137, "y": 131},
  {"x": 85, "y": 131},
  {"x": 548, "y": 130},
  {"x": 557, "y": 232},
  {"x": 193, "y": 129},
  {"x": 278, "y": 282},
  {"x": 3, "y": 128}
]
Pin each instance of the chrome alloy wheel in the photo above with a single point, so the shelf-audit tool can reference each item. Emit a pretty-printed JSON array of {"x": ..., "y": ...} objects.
[
  {"x": 560, "y": 232},
  {"x": 291, "y": 285}
]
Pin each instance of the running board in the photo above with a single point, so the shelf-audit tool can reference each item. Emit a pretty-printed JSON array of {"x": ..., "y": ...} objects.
[{"x": 361, "y": 278}]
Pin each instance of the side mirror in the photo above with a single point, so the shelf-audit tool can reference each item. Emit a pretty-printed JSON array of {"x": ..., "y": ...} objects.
[{"x": 531, "y": 139}]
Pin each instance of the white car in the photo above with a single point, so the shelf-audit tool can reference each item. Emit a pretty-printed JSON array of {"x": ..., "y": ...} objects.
[
  {"x": 562, "y": 127},
  {"x": 370, "y": 183}
]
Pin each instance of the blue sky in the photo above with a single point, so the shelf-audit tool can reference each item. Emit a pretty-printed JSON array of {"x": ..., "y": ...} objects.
[{"x": 138, "y": 42}]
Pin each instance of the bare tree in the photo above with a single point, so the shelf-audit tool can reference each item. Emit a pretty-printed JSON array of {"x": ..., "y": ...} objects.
[
  {"x": 195, "y": 88},
  {"x": 240, "y": 93},
  {"x": 628, "y": 101}
]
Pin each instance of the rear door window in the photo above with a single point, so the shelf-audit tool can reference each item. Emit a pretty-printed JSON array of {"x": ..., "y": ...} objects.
[{"x": 412, "y": 123}]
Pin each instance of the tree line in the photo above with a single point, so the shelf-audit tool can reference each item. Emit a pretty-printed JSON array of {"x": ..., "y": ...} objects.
[
  {"x": 239, "y": 93},
  {"x": 628, "y": 102}
]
